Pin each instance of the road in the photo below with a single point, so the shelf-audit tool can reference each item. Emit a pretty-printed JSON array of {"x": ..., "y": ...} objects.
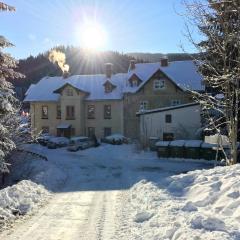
[
  {"x": 89, "y": 205},
  {"x": 87, "y": 215},
  {"x": 95, "y": 202}
]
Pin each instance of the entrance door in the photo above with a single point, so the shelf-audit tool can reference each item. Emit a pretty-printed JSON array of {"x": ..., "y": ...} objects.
[
  {"x": 64, "y": 132},
  {"x": 107, "y": 131}
]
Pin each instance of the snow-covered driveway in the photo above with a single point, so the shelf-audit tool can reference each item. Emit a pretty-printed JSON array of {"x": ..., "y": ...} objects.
[{"x": 92, "y": 204}]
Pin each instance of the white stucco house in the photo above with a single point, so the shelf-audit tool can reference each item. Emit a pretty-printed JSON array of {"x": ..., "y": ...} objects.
[{"x": 171, "y": 123}]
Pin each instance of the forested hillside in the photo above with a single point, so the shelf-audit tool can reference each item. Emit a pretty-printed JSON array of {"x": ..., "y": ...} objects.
[
  {"x": 80, "y": 62},
  {"x": 154, "y": 57}
]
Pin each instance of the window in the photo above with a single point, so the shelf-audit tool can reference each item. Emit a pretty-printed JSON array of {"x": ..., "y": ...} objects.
[
  {"x": 158, "y": 84},
  {"x": 45, "y": 129},
  {"x": 134, "y": 82},
  {"x": 69, "y": 92},
  {"x": 44, "y": 112},
  {"x": 168, "y": 136},
  {"x": 107, "y": 111},
  {"x": 58, "y": 112},
  {"x": 70, "y": 111},
  {"x": 91, "y": 131},
  {"x": 108, "y": 88},
  {"x": 168, "y": 118},
  {"x": 107, "y": 131},
  {"x": 91, "y": 112},
  {"x": 175, "y": 102},
  {"x": 143, "y": 105}
]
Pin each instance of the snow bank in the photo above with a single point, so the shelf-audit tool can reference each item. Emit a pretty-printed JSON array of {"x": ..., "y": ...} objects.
[
  {"x": 28, "y": 167},
  {"x": 20, "y": 199},
  {"x": 202, "y": 204}
]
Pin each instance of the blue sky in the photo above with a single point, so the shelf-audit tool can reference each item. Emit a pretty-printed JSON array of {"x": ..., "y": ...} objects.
[{"x": 131, "y": 25}]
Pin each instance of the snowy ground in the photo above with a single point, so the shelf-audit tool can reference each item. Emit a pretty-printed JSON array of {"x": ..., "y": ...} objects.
[{"x": 116, "y": 192}]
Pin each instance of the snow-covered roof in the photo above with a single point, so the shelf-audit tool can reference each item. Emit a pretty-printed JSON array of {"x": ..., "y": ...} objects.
[
  {"x": 183, "y": 73},
  {"x": 64, "y": 126},
  {"x": 177, "y": 143},
  {"x": 30, "y": 88},
  {"x": 193, "y": 143},
  {"x": 162, "y": 143},
  {"x": 93, "y": 84},
  {"x": 164, "y": 109}
]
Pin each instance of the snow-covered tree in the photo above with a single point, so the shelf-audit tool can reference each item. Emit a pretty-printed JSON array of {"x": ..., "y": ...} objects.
[
  {"x": 9, "y": 105},
  {"x": 219, "y": 23}
]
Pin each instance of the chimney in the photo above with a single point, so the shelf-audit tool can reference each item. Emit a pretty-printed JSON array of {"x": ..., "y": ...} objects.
[
  {"x": 65, "y": 74},
  {"x": 108, "y": 69},
  {"x": 132, "y": 64},
  {"x": 164, "y": 61}
]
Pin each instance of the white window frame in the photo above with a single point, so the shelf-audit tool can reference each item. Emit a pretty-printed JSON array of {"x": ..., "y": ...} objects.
[
  {"x": 143, "y": 105},
  {"x": 175, "y": 102},
  {"x": 159, "y": 84},
  {"x": 134, "y": 82}
]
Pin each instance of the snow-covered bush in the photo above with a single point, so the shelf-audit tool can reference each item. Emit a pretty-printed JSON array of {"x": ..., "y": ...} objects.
[{"x": 218, "y": 22}]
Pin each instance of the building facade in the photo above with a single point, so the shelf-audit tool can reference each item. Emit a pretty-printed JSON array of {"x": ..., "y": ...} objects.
[
  {"x": 170, "y": 123},
  {"x": 107, "y": 103}
]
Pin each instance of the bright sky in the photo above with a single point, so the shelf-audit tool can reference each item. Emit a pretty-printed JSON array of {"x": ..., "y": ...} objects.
[{"x": 121, "y": 25}]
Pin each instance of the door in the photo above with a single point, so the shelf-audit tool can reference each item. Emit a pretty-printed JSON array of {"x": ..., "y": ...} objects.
[
  {"x": 107, "y": 131},
  {"x": 64, "y": 132}
]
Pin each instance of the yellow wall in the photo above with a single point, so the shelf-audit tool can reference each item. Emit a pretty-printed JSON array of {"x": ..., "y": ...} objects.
[
  {"x": 123, "y": 119},
  {"x": 156, "y": 99},
  {"x": 81, "y": 122},
  {"x": 99, "y": 123},
  {"x": 77, "y": 101},
  {"x": 36, "y": 117}
]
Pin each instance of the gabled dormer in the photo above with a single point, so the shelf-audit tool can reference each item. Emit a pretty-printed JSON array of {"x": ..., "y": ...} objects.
[
  {"x": 134, "y": 80},
  {"x": 68, "y": 90},
  {"x": 109, "y": 86}
]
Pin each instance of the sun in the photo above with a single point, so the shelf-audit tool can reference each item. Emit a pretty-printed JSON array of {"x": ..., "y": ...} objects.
[{"x": 93, "y": 36}]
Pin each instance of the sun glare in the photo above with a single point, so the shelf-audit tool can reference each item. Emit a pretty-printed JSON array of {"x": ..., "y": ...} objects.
[{"x": 93, "y": 36}]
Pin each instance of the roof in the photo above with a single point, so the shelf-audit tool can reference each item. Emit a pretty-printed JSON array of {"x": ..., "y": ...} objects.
[
  {"x": 164, "y": 109},
  {"x": 45, "y": 89},
  {"x": 64, "y": 126},
  {"x": 183, "y": 73},
  {"x": 30, "y": 88}
]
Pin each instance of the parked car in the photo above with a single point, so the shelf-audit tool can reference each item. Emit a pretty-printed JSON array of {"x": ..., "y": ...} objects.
[
  {"x": 80, "y": 143},
  {"x": 115, "y": 139},
  {"x": 57, "y": 142},
  {"x": 43, "y": 139}
]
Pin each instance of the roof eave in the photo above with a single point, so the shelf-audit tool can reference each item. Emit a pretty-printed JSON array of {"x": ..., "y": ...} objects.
[{"x": 58, "y": 90}]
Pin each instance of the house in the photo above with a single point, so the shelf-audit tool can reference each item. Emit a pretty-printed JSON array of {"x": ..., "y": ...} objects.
[
  {"x": 157, "y": 85},
  {"x": 107, "y": 103},
  {"x": 170, "y": 123},
  {"x": 78, "y": 105}
]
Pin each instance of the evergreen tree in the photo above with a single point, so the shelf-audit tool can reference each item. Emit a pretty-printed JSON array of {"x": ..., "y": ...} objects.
[
  {"x": 8, "y": 103},
  {"x": 219, "y": 23}
]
